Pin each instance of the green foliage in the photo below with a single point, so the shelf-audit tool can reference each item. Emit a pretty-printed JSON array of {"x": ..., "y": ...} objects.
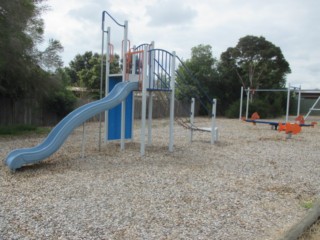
[
  {"x": 50, "y": 58},
  {"x": 254, "y": 62},
  {"x": 307, "y": 204},
  {"x": 233, "y": 110},
  {"x": 201, "y": 84},
  {"x": 61, "y": 102},
  {"x": 21, "y": 31},
  {"x": 22, "y": 130},
  {"x": 257, "y": 63},
  {"x": 85, "y": 70},
  {"x": 268, "y": 106}
]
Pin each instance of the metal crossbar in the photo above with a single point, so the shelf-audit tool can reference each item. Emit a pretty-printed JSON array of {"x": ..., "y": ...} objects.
[{"x": 313, "y": 108}]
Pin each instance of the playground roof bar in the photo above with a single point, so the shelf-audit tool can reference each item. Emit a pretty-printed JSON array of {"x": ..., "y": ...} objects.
[
  {"x": 266, "y": 90},
  {"x": 283, "y": 90}
]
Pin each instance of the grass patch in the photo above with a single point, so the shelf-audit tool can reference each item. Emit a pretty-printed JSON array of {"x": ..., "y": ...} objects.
[
  {"x": 23, "y": 130},
  {"x": 307, "y": 204}
]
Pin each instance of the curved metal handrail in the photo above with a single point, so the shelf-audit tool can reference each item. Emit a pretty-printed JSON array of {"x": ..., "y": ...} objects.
[{"x": 103, "y": 19}]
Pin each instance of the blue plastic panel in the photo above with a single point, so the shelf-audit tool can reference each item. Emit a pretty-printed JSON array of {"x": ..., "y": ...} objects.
[{"x": 114, "y": 116}]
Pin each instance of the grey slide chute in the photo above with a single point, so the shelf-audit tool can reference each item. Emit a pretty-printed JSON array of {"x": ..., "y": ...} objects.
[{"x": 20, "y": 157}]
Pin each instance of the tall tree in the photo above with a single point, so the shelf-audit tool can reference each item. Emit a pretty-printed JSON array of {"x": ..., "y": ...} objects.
[
  {"x": 50, "y": 59},
  {"x": 25, "y": 72},
  {"x": 197, "y": 76},
  {"x": 84, "y": 70},
  {"x": 21, "y": 30},
  {"x": 257, "y": 63}
]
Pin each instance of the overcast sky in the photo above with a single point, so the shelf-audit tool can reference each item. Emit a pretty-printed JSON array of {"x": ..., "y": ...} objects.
[{"x": 179, "y": 25}]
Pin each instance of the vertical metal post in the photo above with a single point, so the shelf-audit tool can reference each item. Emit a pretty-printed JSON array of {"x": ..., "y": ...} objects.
[
  {"x": 299, "y": 101},
  {"x": 241, "y": 99},
  {"x": 125, "y": 49},
  {"x": 213, "y": 121},
  {"x": 101, "y": 79},
  {"x": 172, "y": 86},
  {"x": 247, "y": 107},
  {"x": 107, "y": 70},
  {"x": 152, "y": 67},
  {"x": 123, "y": 104},
  {"x": 150, "y": 108},
  {"x": 288, "y": 103},
  {"x": 83, "y": 140},
  {"x": 144, "y": 102},
  {"x": 192, "y": 118}
]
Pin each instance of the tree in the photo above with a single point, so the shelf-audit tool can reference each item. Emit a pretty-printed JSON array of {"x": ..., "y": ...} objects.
[
  {"x": 60, "y": 100},
  {"x": 85, "y": 69},
  {"x": 20, "y": 62},
  {"x": 257, "y": 63},
  {"x": 197, "y": 76},
  {"x": 25, "y": 72},
  {"x": 50, "y": 58}
]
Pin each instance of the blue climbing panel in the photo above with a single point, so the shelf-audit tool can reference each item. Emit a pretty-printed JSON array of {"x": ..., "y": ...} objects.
[{"x": 114, "y": 116}]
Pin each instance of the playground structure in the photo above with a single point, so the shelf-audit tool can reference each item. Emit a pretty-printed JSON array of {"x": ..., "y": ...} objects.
[
  {"x": 213, "y": 129},
  {"x": 287, "y": 127},
  {"x": 290, "y": 89},
  {"x": 144, "y": 69}
]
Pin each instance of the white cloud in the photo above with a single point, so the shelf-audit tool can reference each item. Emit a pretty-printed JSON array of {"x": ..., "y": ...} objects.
[
  {"x": 180, "y": 25},
  {"x": 170, "y": 13}
]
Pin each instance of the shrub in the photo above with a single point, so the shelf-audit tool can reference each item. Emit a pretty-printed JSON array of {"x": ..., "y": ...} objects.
[
  {"x": 61, "y": 102},
  {"x": 262, "y": 106}
]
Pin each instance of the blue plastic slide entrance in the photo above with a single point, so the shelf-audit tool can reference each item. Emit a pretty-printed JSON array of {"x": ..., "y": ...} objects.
[{"x": 20, "y": 157}]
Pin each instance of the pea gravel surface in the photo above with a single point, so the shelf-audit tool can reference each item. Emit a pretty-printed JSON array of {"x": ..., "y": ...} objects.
[{"x": 252, "y": 184}]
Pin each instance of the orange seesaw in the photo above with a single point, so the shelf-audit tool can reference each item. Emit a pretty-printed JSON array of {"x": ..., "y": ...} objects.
[{"x": 288, "y": 128}]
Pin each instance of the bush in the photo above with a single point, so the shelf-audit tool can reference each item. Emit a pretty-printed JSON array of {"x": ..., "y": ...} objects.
[
  {"x": 22, "y": 129},
  {"x": 233, "y": 110},
  {"x": 61, "y": 102},
  {"x": 262, "y": 106}
]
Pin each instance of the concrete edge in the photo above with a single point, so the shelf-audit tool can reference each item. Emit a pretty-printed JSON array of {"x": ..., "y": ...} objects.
[{"x": 305, "y": 223}]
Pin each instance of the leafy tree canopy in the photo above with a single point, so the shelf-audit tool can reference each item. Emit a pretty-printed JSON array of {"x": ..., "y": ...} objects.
[
  {"x": 196, "y": 76},
  {"x": 22, "y": 65},
  {"x": 85, "y": 70},
  {"x": 257, "y": 63}
]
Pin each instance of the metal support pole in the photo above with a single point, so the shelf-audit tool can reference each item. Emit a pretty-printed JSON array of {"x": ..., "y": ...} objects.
[
  {"x": 125, "y": 49},
  {"x": 192, "y": 118},
  {"x": 172, "y": 86},
  {"x": 241, "y": 99},
  {"x": 144, "y": 102},
  {"x": 107, "y": 70},
  {"x": 83, "y": 140},
  {"x": 123, "y": 104},
  {"x": 299, "y": 101},
  {"x": 152, "y": 67},
  {"x": 213, "y": 122},
  {"x": 288, "y": 103},
  {"x": 247, "y": 107},
  {"x": 101, "y": 77},
  {"x": 150, "y": 107}
]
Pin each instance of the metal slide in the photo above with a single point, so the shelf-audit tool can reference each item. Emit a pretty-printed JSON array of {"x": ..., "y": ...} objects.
[{"x": 19, "y": 157}]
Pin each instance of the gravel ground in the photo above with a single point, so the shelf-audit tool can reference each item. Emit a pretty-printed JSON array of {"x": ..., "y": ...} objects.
[{"x": 252, "y": 184}]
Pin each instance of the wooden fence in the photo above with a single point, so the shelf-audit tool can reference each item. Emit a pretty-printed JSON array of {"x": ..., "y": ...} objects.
[{"x": 29, "y": 111}]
